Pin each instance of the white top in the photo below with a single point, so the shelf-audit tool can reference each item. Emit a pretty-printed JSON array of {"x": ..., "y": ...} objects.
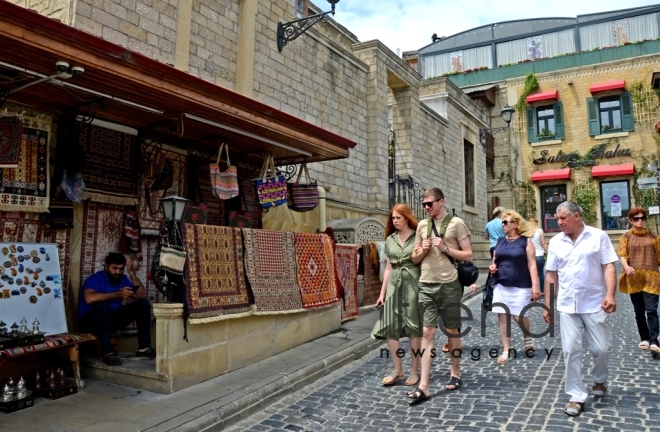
[
  {"x": 579, "y": 268},
  {"x": 536, "y": 241}
]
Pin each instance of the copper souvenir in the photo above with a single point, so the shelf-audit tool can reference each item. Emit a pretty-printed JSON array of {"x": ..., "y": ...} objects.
[
  {"x": 33, "y": 299},
  {"x": 39, "y": 291},
  {"x": 36, "y": 260},
  {"x": 47, "y": 290}
]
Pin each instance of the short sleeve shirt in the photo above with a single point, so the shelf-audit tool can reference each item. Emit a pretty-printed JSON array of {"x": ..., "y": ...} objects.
[
  {"x": 579, "y": 269},
  {"x": 436, "y": 267},
  {"x": 100, "y": 283},
  {"x": 494, "y": 231}
]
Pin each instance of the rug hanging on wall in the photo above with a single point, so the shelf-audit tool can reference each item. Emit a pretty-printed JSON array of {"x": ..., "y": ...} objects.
[
  {"x": 103, "y": 226},
  {"x": 372, "y": 283},
  {"x": 111, "y": 166},
  {"x": 270, "y": 266},
  {"x": 315, "y": 270},
  {"x": 346, "y": 265},
  {"x": 21, "y": 227},
  {"x": 62, "y": 237},
  {"x": 26, "y": 187},
  {"x": 215, "y": 273},
  {"x": 11, "y": 132}
]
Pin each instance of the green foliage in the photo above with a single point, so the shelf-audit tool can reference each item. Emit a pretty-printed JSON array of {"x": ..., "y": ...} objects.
[
  {"x": 545, "y": 133},
  {"x": 531, "y": 85},
  {"x": 587, "y": 197},
  {"x": 527, "y": 200}
]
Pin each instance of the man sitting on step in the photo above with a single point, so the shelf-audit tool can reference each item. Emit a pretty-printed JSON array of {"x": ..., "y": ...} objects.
[{"x": 102, "y": 310}]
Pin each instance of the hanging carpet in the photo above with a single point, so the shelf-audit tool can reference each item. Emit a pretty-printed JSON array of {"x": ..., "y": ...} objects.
[
  {"x": 315, "y": 270},
  {"x": 270, "y": 266},
  {"x": 372, "y": 282},
  {"x": 215, "y": 273},
  {"x": 346, "y": 265},
  {"x": 11, "y": 132}
]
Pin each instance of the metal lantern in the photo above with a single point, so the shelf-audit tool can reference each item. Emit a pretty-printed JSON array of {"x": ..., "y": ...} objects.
[{"x": 173, "y": 207}]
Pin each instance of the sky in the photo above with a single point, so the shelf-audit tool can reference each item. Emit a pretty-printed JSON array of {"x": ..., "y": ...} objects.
[{"x": 407, "y": 25}]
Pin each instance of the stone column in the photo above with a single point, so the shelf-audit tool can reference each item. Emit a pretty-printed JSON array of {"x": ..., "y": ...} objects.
[{"x": 167, "y": 314}]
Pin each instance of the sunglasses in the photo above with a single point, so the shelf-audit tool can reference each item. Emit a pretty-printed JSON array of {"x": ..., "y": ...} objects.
[
  {"x": 429, "y": 203},
  {"x": 506, "y": 222},
  {"x": 638, "y": 218}
]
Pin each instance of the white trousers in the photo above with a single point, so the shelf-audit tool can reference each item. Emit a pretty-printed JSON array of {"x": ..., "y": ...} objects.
[{"x": 599, "y": 341}]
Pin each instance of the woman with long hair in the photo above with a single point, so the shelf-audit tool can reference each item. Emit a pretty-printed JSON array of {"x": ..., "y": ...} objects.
[
  {"x": 540, "y": 246},
  {"x": 399, "y": 316},
  {"x": 515, "y": 278},
  {"x": 639, "y": 252}
]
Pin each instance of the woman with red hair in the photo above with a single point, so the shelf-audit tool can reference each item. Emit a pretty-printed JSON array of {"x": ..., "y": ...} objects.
[{"x": 399, "y": 293}]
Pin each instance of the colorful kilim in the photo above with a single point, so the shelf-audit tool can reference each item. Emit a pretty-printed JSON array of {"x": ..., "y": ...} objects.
[
  {"x": 20, "y": 227},
  {"x": 11, "y": 131},
  {"x": 270, "y": 266},
  {"x": 150, "y": 213},
  {"x": 372, "y": 283},
  {"x": 26, "y": 187},
  {"x": 315, "y": 268},
  {"x": 103, "y": 226},
  {"x": 215, "y": 272},
  {"x": 111, "y": 165},
  {"x": 346, "y": 264}
]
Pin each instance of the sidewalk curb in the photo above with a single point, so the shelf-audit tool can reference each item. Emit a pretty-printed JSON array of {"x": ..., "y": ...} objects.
[{"x": 229, "y": 410}]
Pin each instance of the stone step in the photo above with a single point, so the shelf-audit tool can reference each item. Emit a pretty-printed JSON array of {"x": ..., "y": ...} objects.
[{"x": 135, "y": 372}]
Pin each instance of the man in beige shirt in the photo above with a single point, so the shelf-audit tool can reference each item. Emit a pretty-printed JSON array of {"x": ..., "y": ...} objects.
[{"x": 439, "y": 290}]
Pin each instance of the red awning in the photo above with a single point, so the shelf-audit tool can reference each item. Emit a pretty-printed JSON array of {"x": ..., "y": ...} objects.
[
  {"x": 558, "y": 174},
  {"x": 543, "y": 96},
  {"x": 613, "y": 170},
  {"x": 609, "y": 85}
]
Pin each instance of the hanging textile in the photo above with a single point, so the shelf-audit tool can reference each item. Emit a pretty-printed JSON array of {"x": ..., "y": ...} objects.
[
  {"x": 11, "y": 132},
  {"x": 346, "y": 265},
  {"x": 315, "y": 270}
]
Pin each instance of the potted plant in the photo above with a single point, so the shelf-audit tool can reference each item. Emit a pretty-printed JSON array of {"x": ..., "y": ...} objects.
[{"x": 545, "y": 134}]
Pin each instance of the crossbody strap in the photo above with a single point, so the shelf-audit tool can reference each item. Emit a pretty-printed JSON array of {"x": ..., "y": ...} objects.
[{"x": 443, "y": 230}]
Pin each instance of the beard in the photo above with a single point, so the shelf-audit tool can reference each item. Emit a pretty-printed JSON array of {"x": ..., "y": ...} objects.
[{"x": 113, "y": 278}]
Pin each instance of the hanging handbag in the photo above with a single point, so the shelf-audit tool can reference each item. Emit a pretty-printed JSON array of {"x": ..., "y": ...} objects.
[
  {"x": 468, "y": 273},
  {"x": 270, "y": 188},
  {"x": 224, "y": 184},
  {"x": 302, "y": 197},
  {"x": 487, "y": 299},
  {"x": 196, "y": 214},
  {"x": 172, "y": 259}
]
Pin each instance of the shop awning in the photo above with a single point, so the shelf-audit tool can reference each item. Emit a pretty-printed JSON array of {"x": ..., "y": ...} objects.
[
  {"x": 609, "y": 85},
  {"x": 160, "y": 101},
  {"x": 550, "y": 95},
  {"x": 613, "y": 170},
  {"x": 558, "y": 174}
]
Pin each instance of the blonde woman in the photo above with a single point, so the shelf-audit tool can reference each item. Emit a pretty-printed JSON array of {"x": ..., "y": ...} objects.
[
  {"x": 540, "y": 246},
  {"x": 515, "y": 279}
]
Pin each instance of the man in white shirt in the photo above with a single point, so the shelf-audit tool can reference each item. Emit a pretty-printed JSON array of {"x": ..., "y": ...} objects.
[{"x": 580, "y": 267}]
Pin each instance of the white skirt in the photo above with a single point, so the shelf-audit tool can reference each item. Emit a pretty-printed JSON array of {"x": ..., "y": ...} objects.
[{"x": 514, "y": 298}]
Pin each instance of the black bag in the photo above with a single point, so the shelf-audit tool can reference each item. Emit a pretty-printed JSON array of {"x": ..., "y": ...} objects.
[
  {"x": 487, "y": 299},
  {"x": 468, "y": 273}
]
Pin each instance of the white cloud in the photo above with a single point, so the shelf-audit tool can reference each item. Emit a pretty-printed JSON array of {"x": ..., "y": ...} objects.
[{"x": 408, "y": 24}]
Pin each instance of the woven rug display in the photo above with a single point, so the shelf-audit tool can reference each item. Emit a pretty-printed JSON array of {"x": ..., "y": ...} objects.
[
  {"x": 20, "y": 227},
  {"x": 216, "y": 206},
  {"x": 103, "y": 226},
  {"x": 372, "y": 282},
  {"x": 215, "y": 273},
  {"x": 26, "y": 187},
  {"x": 11, "y": 132},
  {"x": 150, "y": 213},
  {"x": 111, "y": 165},
  {"x": 346, "y": 265},
  {"x": 270, "y": 266},
  {"x": 315, "y": 270}
]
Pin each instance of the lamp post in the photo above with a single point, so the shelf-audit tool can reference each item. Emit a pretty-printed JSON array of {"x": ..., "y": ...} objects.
[
  {"x": 173, "y": 207},
  {"x": 286, "y": 32},
  {"x": 507, "y": 115}
]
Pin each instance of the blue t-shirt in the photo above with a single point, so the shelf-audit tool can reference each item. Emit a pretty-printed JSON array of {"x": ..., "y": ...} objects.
[
  {"x": 100, "y": 283},
  {"x": 494, "y": 230}
]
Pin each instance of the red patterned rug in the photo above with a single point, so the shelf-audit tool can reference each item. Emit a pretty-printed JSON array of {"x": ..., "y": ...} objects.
[
  {"x": 111, "y": 165},
  {"x": 315, "y": 268},
  {"x": 270, "y": 266},
  {"x": 103, "y": 226},
  {"x": 11, "y": 132},
  {"x": 215, "y": 272},
  {"x": 21, "y": 227},
  {"x": 26, "y": 187},
  {"x": 372, "y": 283},
  {"x": 346, "y": 264}
]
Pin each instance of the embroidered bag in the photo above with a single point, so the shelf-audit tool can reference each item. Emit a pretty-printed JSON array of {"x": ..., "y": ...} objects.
[
  {"x": 172, "y": 259},
  {"x": 224, "y": 184},
  {"x": 302, "y": 197},
  {"x": 270, "y": 188}
]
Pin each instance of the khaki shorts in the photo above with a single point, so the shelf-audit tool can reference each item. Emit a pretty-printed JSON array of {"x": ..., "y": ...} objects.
[{"x": 443, "y": 299}]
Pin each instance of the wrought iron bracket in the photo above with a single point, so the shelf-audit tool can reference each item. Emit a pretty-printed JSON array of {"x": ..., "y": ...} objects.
[
  {"x": 286, "y": 32},
  {"x": 485, "y": 133}
]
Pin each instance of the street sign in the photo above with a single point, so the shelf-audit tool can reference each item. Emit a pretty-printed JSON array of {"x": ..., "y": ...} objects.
[
  {"x": 648, "y": 186},
  {"x": 654, "y": 210},
  {"x": 647, "y": 180}
]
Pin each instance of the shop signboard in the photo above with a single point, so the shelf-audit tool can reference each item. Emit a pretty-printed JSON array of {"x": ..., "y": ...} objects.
[
  {"x": 654, "y": 210},
  {"x": 647, "y": 180},
  {"x": 647, "y": 186},
  {"x": 31, "y": 286}
]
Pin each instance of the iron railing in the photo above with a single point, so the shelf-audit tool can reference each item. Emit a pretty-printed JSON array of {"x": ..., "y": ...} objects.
[{"x": 405, "y": 190}]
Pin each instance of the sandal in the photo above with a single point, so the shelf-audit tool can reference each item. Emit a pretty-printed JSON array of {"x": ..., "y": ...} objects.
[
  {"x": 455, "y": 382},
  {"x": 599, "y": 390},
  {"x": 528, "y": 343},
  {"x": 445, "y": 348},
  {"x": 644, "y": 345},
  {"x": 574, "y": 409},
  {"x": 655, "y": 350},
  {"x": 503, "y": 358},
  {"x": 412, "y": 383},
  {"x": 392, "y": 378},
  {"x": 416, "y": 395}
]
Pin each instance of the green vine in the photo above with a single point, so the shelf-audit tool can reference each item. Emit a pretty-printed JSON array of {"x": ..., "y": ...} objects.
[
  {"x": 527, "y": 200},
  {"x": 531, "y": 85},
  {"x": 587, "y": 197}
]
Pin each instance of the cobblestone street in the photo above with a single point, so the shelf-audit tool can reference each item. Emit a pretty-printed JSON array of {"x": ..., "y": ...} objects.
[{"x": 524, "y": 394}]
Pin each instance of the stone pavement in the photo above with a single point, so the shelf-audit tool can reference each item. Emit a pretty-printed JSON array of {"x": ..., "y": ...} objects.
[{"x": 525, "y": 394}]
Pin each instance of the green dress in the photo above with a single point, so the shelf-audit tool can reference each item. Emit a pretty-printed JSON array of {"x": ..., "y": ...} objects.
[{"x": 400, "y": 315}]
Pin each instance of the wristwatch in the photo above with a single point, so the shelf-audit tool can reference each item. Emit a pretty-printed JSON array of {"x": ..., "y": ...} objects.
[{"x": 446, "y": 250}]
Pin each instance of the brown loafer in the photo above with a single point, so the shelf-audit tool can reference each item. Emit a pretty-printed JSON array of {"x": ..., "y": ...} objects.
[{"x": 574, "y": 409}]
